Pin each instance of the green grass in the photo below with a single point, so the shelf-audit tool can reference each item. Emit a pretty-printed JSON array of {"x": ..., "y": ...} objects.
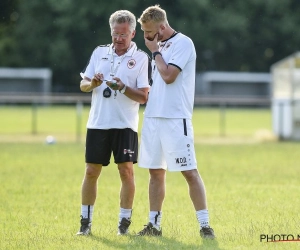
[
  {"x": 64, "y": 123},
  {"x": 252, "y": 188}
]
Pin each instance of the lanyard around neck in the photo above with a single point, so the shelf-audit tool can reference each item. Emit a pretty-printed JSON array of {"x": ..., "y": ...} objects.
[{"x": 113, "y": 69}]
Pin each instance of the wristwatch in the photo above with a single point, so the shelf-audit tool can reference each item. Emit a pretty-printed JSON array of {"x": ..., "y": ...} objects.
[
  {"x": 122, "y": 91},
  {"x": 154, "y": 54}
]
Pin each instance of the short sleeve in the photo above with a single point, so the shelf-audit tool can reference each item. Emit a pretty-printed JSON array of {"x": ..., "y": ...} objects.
[{"x": 183, "y": 52}]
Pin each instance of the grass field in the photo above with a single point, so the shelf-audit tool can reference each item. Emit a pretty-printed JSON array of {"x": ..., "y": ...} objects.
[
  {"x": 252, "y": 186},
  {"x": 64, "y": 123}
]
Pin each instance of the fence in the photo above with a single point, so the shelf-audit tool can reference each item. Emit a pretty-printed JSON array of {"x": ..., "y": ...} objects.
[{"x": 80, "y": 99}]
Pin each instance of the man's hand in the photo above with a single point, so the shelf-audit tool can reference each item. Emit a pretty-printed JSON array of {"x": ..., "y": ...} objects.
[
  {"x": 152, "y": 44},
  {"x": 97, "y": 80},
  {"x": 139, "y": 95},
  {"x": 87, "y": 85},
  {"x": 115, "y": 84}
]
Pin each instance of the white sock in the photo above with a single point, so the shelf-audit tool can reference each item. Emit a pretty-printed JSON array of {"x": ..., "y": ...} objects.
[
  {"x": 87, "y": 211},
  {"x": 203, "y": 218},
  {"x": 125, "y": 213},
  {"x": 155, "y": 218}
]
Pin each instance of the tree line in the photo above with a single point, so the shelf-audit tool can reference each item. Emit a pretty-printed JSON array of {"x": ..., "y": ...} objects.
[{"x": 229, "y": 35}]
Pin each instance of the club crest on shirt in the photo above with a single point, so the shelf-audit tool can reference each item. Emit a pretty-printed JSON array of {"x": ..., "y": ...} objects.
[{"x": 131, "y": 63}]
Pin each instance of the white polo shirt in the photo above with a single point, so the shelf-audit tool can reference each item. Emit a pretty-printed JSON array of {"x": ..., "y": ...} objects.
[
  {"x": 116, "y": 111},
  {"x": 175, "y": 100}
]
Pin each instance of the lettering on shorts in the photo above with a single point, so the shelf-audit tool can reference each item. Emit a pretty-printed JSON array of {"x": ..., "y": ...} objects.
[{"x": 181, "y": 161}]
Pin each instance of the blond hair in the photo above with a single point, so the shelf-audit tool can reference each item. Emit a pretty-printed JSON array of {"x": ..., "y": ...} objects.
[
  {"x": 153, "y": 13},
  {"x": 123, "y": 16}
]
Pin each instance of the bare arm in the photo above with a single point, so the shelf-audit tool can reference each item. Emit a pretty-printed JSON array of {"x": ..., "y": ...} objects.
[
  {"x": 138, "y": 95},
  {"x": 168, "y": 72},
  {"x": 87, "y": 85}
]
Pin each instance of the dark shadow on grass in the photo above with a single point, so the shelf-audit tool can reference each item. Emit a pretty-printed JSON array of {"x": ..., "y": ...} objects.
[{"x": 146, "y": 242}]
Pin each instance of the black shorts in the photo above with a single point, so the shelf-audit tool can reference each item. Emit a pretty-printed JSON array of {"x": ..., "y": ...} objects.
[{"x": 100, "y": 143}]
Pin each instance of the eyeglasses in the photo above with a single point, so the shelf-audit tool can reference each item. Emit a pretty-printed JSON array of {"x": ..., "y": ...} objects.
[{"x": 115, "y": 35}]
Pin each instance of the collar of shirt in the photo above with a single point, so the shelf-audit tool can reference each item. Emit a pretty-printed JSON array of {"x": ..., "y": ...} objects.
[{"x": 130, "y": 52}]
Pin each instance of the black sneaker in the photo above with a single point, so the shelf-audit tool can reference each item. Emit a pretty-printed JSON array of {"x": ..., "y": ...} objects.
[
  {"x": 149, "y": 230},
  {"x": 207, "y": 233},
  {"x": 123, "y": 226},
  {"x": 86, "y": 227}
]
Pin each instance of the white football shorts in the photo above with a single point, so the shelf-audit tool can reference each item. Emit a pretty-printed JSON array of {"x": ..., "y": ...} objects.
[{"x": 167, "y": 144}]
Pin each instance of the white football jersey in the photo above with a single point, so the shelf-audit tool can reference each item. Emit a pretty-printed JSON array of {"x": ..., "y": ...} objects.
[
  {"x": 175, "y": 100},
  {"x": 117, "y": 111}
]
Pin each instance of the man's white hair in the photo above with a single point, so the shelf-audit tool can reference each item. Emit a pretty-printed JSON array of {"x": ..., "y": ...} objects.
[{"x": 123, "y": 16}]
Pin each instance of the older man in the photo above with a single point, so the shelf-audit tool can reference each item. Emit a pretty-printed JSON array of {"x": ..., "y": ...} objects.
[{"x": 113, "y": 120}]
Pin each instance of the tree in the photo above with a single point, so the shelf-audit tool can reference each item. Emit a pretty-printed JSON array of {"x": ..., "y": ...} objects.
[
  {"x": 229, "y": 35},
  {"x": 8, "y": 19}
]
